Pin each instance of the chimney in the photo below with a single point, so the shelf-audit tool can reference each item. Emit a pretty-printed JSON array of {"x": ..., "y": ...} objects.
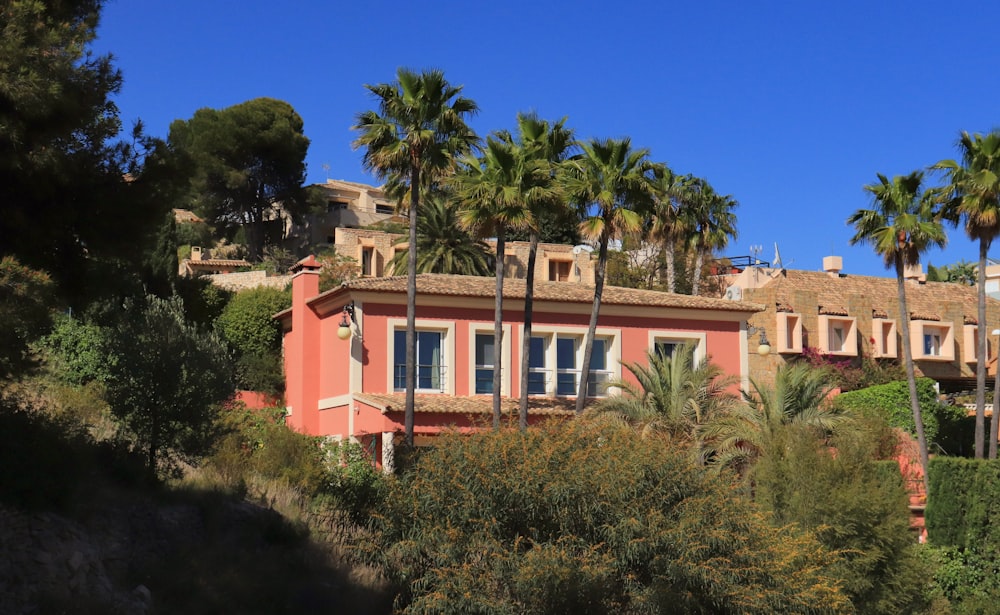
[
  {"x": 196, "y": 254},
  {"x": 915, "y": 273},
  {"x": 832, "y": 265}
]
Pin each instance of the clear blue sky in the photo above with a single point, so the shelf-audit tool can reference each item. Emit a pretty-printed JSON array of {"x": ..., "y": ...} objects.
[{"x": 791, "y": 107}]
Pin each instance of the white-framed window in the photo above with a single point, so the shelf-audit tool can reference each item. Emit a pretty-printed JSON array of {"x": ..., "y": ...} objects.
[
  {"x": 555, "y": 360},
  {"x": 483, "y": 383},
  {"x": 435, "y": 355},
  {"x": 666, "y": 343},
  {"x": 932, "y": 340},
  {"x": 481, "y": 352},
  {"x": 838, "y": 335}
]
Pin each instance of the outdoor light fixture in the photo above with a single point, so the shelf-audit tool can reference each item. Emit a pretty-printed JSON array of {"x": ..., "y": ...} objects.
[
  {"x": 347, "y": 318},
  {"x": 765, "y": 347}
]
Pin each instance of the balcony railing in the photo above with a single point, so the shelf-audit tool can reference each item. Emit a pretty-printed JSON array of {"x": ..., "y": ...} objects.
[{"x": 429, "y": 377}]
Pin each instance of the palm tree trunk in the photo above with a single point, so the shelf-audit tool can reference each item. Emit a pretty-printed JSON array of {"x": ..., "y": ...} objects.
[
  {"x": 529, "y": 297},
  {"x": 995, "y": 420},
  {"x": 699, "y": 260},
  {"x": 981, "y": 356},
  {"x": 498, "y": 329},
  {"x": 911, "y": 380},
  {"x": 671, "y": 272},
  {"x": 602, "y": 263},
  {"x": 411, "y": 308}
]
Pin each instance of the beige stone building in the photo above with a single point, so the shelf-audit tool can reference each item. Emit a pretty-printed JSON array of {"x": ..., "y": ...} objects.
[
  {"x": 373, "y": 251},
  {"x": 850, "y": 316},
  {"x": 348, "y": 205}
]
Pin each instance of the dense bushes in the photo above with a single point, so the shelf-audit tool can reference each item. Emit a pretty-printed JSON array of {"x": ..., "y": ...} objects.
[
  {"x": 892, "y": 402},
  {"x": 584, "y": 518},
  {"x": 962, "y": 508},
  {"x": 248, "y": 326},
  {"x": 856, "y": 506}
]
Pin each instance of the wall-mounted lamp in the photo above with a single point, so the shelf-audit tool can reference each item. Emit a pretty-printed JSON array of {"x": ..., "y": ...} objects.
[
  {"x": 347, "y": 318},
  {"x": 764, "y": 348}
]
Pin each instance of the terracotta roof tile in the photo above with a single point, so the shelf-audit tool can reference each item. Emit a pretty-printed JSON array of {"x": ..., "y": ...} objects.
[
  {"x": 570, "y": 292},
  {"x": 924, "y": 300},
  {"x": 833, "y": 310},
  {"x": 219, "y": 262},
  {"x": 480, "y": 404}
]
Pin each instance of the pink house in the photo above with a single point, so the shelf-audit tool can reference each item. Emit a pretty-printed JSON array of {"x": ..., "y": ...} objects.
[{"x": 344, "y": 350}]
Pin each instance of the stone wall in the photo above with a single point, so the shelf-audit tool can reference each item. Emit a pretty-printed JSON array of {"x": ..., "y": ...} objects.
[{"x": 243, "y": 280}]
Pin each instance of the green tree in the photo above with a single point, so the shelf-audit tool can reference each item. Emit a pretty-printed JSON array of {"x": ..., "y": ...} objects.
[
  {"x": 670, "y": 223},
  {"x": 495, "y": 193},
  {"x": 799, "y": 396},
  {"x": 545, "y": 146},
  {"x": 580, "y": 517},
  {"x": 673, "y": 394},
  {"x": 249, "y": 158},
  {"x": 246, "y": 323},
  {"x": 72, "y": 194},
  {"x": 413, "y": 139},
  {"x": 26, "y": 297},
  {"x": 856, "y": 507},
  {"x": 165, "y": 381},
  {"x": 159, "y": 267},
  {"x": 900, "y": 226},
  {"x": 975, "y": 199},
  {"x": 963, "y": 272},
  {"x": 443, "y": 245},
  {"x": 608, "y": 181},
  {"x": 712, "y": 224}
]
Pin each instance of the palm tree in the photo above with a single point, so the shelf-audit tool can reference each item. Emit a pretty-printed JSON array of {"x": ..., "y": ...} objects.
[
  {"x": 675, "y": 394},
  {"x": 443, "y": 245},
  {"x": 492, "y": 192},
  {"x": 549, "y": 145},
  {"x": 799, "y": 396},
  {"x": 669, "y": 225},
  {"x": 900, "y": 226},
  {"x": 975, "y": 192},
  {"x": 414, "y": 137},
  {"x": 609, "y": 181},
  {"x": 712, "y": 224}
]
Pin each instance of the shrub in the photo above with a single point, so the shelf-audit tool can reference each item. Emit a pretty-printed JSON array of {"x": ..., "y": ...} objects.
[
  {"x": 247, "y": 325},
  {"x": 26, "y": 298},
  {"x": 585, "y": 518},
  {"x": 892, "y": 403},
  {"x": 963, "y": 503},
  {"x": 857, "y": 507}
]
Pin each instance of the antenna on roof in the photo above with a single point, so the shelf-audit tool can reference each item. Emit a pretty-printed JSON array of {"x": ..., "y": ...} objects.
[
  {"x": 755, "y": 254},
  {"x": 326, "y": 169}
]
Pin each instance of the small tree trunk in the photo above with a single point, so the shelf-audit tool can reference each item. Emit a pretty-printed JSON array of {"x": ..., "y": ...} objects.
[
  {"x": 981, "y": 355},
  {"x": 529, "y": 297},
  {"x": 669, "y": 259},
  {"x": 411, "y": 308},
  {"x": 699, "y": 260},
  {"x": 995, "y": 421},
  {"x": 602, "y": 263},
  {"x": 911, "y": 380},
  {"x": 498, "y": 330}
]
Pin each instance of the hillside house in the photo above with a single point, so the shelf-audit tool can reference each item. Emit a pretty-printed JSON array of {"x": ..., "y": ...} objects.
[
  {"x": 849, "y": 316},
  {"x": 352, "y": 385}
]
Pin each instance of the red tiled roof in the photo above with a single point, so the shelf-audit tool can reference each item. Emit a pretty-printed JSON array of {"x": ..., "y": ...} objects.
[
  {"x": 219, "y": 262},
  {"x": 569, "y": 292},
  {"x": 924, "y": 300},
  {"x": 480, "y": 404}
]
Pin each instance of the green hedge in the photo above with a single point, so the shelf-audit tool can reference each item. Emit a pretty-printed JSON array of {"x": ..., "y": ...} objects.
[
  {"x": 892, "y": 402},
  {"x": 964, "y": 498}
]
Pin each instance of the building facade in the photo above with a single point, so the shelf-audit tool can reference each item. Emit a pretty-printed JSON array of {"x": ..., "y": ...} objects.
[
  {"x": 846, "y": 316},
  {"x": 344, "y": 350}
]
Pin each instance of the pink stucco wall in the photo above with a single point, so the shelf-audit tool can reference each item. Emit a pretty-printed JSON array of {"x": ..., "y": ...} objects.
[{"x": 323, "y": 372}]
